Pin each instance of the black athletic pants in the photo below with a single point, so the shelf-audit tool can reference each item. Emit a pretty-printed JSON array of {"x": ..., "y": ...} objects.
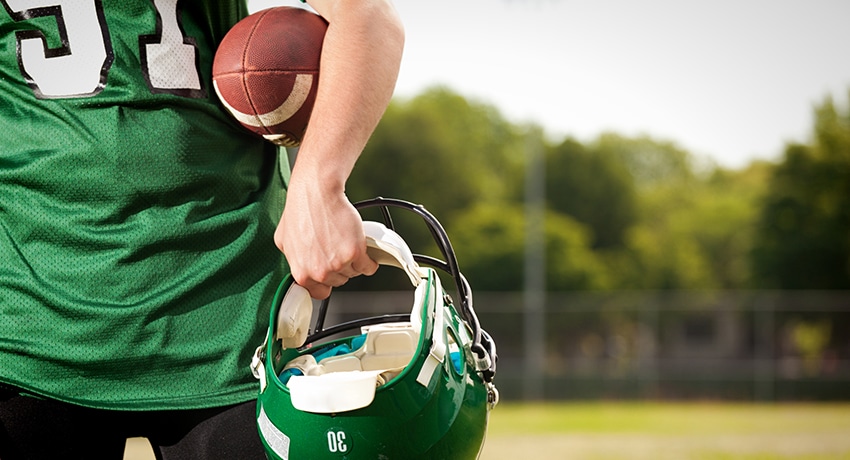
[{"x": 33, "y": 429}]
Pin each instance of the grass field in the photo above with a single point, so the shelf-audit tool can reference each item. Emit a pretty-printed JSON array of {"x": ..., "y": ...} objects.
[{"x": 657, "y": 431}]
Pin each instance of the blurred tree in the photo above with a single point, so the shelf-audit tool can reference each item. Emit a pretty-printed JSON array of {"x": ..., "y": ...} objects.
[
  {"x": 667, "y": 207},
  {"x": 489, "y": 241},
  {"x": 693, "y": 221},
  {"x": 803, "y": 232},
  {"x": 443, "y": 151},
  {"x": 662, "y": 257},
  {"x": 649, "y": 161},
  {"x": 723, "y": 223},
  {"x": 634, "y": 212},
  {"x": 697, "y": 234},
  {"x": 595, "y": 189}
]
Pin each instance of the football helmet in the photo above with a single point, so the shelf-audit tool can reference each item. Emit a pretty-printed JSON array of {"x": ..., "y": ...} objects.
[{"x": 417, "y": 385}]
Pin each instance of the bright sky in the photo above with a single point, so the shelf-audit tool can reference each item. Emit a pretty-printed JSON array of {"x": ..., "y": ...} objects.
[{"x": 730, "y": 79}]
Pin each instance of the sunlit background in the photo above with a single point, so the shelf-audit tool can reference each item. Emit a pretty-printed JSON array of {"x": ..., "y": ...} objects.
[
  {"x": 651, "y": 200},
  {"x": 732, "y": 80}
]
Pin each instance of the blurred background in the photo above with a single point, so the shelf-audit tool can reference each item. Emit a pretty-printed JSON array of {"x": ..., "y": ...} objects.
[{"x": 651, "y": 200}]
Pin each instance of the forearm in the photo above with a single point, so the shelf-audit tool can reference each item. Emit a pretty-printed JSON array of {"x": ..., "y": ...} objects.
[
  {"x": 359, "y": 67},
  {"x": 320, "y": 232}
]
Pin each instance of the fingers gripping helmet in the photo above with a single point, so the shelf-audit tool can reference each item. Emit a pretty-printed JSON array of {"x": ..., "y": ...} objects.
[{"x": 412, "y": 386}]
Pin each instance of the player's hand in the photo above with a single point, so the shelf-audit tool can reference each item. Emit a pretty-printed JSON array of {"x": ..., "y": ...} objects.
[{"x": 321, "y": 235}]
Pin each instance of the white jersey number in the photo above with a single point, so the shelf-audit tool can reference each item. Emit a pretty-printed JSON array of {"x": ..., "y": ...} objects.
[
  {"x": 78, "y": 67},
  {"x": 169, "y": 58}
]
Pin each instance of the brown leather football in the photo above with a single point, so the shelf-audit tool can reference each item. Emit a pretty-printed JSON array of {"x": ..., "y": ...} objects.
[{"x": 266, "y": 71}]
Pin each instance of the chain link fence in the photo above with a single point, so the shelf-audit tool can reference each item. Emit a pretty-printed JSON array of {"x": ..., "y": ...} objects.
[{"x": 731, "y": 345}]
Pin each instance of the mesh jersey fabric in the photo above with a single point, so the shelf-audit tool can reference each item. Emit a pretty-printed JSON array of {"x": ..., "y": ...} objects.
[{"x": 136, "y": 219}]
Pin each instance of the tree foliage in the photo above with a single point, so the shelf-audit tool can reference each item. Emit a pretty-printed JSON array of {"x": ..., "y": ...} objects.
[
  {"x": 803, "y": 233},
  {"x": 593, "y": 188},
  {"x": 441, "y": 149},
  {"x": 621, "y": 212},
  {"x": 490, "y": 243},
  {"x": 650, "y": 162}
]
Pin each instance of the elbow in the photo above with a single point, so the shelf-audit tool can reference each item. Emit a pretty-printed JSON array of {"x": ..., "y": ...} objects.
[
  {"x": 376, "y": 19},
  {"x": 382, "y": 19},
  {"x": 391, "y": 23}
]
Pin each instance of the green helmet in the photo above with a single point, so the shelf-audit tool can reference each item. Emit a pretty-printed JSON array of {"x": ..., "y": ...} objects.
[{"x": 412, "y": 386}]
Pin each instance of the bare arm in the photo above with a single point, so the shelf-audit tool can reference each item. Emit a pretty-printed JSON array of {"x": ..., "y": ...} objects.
[{"x": 320, "y": 232}]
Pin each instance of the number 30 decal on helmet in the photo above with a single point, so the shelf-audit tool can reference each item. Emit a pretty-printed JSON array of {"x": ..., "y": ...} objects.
[{"x": 411, "y": 386}]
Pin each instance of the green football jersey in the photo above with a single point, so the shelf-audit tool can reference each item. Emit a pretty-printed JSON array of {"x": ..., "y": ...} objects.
[{"x": 137, "y": 261}]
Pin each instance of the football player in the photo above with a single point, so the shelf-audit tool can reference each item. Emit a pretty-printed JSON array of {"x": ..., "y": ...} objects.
[{"x": 138, "y": 222}]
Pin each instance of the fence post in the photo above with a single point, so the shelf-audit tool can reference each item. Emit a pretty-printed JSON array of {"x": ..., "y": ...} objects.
[
  {"x": 765, "y": 353},
  {"x": 534, "y": 294}
]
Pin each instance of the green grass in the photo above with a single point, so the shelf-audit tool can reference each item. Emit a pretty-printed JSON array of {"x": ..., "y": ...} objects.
[
  {"x": 601, "y": 431},
  {"x": 659, "y": 431},
  {"x": 671, "y": 419}
]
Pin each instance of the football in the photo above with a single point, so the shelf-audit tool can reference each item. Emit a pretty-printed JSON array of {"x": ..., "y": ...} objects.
[{"x": 266, "y": 72}]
